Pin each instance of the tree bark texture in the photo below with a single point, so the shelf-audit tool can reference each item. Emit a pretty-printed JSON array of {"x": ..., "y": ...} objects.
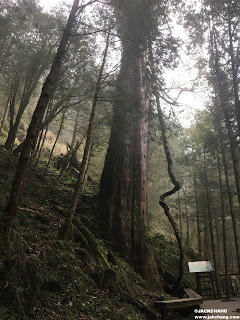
[
  {"x": 234, "y": 68},
  {"x": 210, "y": 220},
  {"x": 197, "y": 212},
  {"x": 224, "y": 231},
  {"x": 230, "y": 200},
  {"x": 123, "y": 187},
  {"x": 34, "y": 127},
  {"x": 29, "y": 87},
  {"x": 221, "y": 90}
]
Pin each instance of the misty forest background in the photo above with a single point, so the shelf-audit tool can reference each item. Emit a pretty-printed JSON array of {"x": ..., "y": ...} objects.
[{"x": 105, "y": 193}]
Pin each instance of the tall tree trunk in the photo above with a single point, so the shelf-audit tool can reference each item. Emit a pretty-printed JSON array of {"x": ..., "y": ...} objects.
[
  {"x": 220, "y": 89},
  {"x": 35, "y": 125},
  {"x": 210, "y": 220},
  {"x": 230, "y": 200},
  {"x": 234, "y": 152},
  {"x": 180, "y": 214},
  {"x": 225, "y": 251},
  {"x": 197, "y": 212},
  {"x": 234, "y": 69},
  {"x": 123, "y": 187},
  {"x": 68, "y": 223},
  {"x": 207, "y": 250},
  {"x": 187, "y": 240},
  {"x": 226, "y": 173}
]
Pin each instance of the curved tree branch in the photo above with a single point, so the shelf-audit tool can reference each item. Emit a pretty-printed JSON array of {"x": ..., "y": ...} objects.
[{"x": 176, "y": 184}]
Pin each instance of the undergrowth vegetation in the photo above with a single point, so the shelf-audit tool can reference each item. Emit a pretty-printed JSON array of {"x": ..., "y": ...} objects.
[{"x": 43, "y": 277}]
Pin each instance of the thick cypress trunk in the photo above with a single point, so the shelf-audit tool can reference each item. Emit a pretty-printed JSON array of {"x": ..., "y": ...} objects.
[{"x": 123, "y": 187}]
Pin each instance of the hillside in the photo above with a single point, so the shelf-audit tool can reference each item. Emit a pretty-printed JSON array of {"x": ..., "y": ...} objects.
[{"x": 45, "y": 278}]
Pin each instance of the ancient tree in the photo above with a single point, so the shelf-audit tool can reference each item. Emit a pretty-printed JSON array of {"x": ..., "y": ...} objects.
[{"x": 123, "y": 187}]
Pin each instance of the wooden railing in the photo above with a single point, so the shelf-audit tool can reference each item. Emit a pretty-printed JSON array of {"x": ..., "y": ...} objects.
[{"x": 207, "y": 287}]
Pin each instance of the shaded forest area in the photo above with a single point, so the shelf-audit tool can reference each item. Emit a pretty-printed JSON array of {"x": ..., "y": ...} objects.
[{"x": 105, "y": 194}]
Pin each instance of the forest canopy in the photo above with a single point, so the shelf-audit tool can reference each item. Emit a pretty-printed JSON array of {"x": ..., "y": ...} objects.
[{"x": 97, "y": 159}]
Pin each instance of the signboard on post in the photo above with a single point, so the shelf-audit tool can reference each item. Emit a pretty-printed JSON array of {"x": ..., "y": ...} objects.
[{"x": 200, "y": 266}]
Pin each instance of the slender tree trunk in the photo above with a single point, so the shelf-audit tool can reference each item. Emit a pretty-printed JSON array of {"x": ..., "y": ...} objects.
[
  {"x": 234, "y": 70},
  {"x": 174, "y": 181},
  {"x": 180, "y": 214},
  {"x": 14, "y": 90},
  {"x": 38, "y": 155},
  {"x": 234, "y": 152},
  {"x": 42, "y": 131},
  {"x": 230, "y": 200},
  {"x": 55, "y": 142},
  {"x": 68, "y": 223},
  {"x": 210, "y": 220},
  {"x": 26, "y": 95},
  {"x": 74, "y": 135},
  {"x": 218, "y": 243},
  {"x": 70, "y": 152},
  {"x": 5, "y": 114},
  {"x": 35, "y": 125},
  {"x": 86, "y": 173},
  {"x": 225, "y": 251},
  {"x": 187, "y": 240},
  {"x": 220, "y": 89},
  {"x": 197, "y": 213},
  {"x": 14, "y": 128},
  {"x": 207, "y": 240}
]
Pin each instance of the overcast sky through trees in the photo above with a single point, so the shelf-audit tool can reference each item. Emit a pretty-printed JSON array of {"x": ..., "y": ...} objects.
[{"x": 180, "y": 77}]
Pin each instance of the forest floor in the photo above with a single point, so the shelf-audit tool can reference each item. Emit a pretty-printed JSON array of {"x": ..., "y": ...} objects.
[{"x": 42, "y": 277}]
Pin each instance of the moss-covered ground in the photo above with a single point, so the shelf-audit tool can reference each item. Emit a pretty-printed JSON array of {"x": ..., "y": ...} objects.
[{"x": 42, "y": 277}]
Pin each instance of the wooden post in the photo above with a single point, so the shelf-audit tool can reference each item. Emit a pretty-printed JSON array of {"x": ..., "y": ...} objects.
[
  {"x": 198, "y": 282},
  {"x": 164, "y": 314}
]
